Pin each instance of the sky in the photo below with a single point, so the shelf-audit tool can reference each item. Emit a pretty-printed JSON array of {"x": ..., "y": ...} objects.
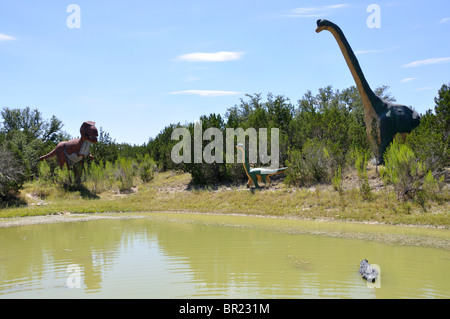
[{"x": 135, "y": 67}]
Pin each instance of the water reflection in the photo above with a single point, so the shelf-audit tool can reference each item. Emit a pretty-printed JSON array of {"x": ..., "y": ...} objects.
[{"x": 150, "y": 258}]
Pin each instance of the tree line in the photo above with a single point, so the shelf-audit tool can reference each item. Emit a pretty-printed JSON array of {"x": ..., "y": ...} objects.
[{"x": 319, "y": 137}]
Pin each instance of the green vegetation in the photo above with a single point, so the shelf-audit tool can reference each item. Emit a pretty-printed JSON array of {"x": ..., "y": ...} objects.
[
  {"x": 171, "y": 191},
  {"x": 120, "y": 176},
  {"x": 361, "y": 161},
  {"x": 323, "y": 141}
]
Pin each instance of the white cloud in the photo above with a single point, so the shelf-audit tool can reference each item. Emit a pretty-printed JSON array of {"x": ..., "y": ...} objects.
[
  {"x": 376, "y": 50},
  {"x": 444, "y": 20},
  {"x": 314, "y": 12},
  {"x": 4, "y": 37},
  {"x": 221, "y": 56},
  {"x": 206, "y": 93},
  {"x": 408, "y": 80},
  {"x": 427, "y": 62},
  {"x": 367, "y": 51}
]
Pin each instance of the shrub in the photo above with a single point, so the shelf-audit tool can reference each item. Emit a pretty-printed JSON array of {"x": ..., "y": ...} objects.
[
  {"x": 310, "y": 165},
  {"x": 337, "y": 180},
  {"x": 11, "y": 173},
  {"x": 427, "y": 141},
  {"x": 147, "y": 169},
  {"x": 317, "y": 159},
  {"x": 64, "y": 177},
  {"x": 44, "y": 180},
  {"x": 297, "y": 173},
  {"x": 432, "y": 186},
  {"x": 125, "y": 171},
  {"x": 430, "y": 141},
  {"x": 403, "y": 169},
  {"x": 361, "y": 159},
  {"x": 44, "y": 173},
  {"x": 95, "y": 177}
]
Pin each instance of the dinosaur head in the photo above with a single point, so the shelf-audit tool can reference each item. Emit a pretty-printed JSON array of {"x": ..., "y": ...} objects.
[
  {"x": 240, "y": 147},
  {"x": 89, "y": 132},
  {"x": 323, "y": 24}
]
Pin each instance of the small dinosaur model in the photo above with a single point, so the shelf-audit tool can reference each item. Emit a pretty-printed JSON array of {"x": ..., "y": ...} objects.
[
  {"x": 383, "y": 120},
  {"x": 74, "y": 151},
  {"x": 259, "y": 174},
  {"x": 367, "y": 272}
]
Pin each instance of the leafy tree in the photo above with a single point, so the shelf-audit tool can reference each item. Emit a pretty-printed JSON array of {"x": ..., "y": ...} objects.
[
  {"x": 160, "y": 148},
  {"x": 27, "y": 135},
  {"x": 31, "y": 123},
  {"x": 11, "y": 174},
  {"x": 442, "y": 111},
  {"x": 430, "y": 140},
  {"x": 105, "y": 149}
]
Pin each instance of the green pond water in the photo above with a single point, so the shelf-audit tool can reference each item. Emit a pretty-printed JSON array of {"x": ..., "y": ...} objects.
[{"x": 206, "y": 256}]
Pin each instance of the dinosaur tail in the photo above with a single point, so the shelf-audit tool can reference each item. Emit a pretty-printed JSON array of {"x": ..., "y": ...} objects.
[
  {"x": 279, "y": 170},
  {"x": 49, "y": 155}
]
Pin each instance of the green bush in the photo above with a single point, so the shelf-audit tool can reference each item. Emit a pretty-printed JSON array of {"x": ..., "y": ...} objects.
[
  {"x": 309, "y": 166},
  {"x": 430, "y": 141},
  {"x": 403, "y": 169},
  {"x": 337, "y": 180},
  {"x": 125, "y": 171},
  {"x": 432, "y": 186},
  {"x": 64, "y": 177},
  {"x": 361, "y": 160},
  {"x": 11, "y": 173},
  {"x": 44, "y": 180},
  {"x": 95, "y": 177},
  {"x": 317, "y": 159},
  {"x": 297, "y": 172},
  {"x": 147, "y": 169}
]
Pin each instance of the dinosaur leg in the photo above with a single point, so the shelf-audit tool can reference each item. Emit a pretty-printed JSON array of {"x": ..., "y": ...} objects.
[
  {"x": 62, "y": 161},
  {"x": 262, "y": 178},
  {"x": 255, "y": 180},
  {"x": 249, "y": 183},
  {"x": 77, "y": 170},
  {"x": 387, "y": 132}
]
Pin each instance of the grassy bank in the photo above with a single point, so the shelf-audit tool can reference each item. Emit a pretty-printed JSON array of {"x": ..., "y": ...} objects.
[{"x": 171, "y": 191}]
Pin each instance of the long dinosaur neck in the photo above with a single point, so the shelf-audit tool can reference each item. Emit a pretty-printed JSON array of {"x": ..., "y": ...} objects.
[
  {"x": 245, "y": 162},
  {"x": 370, "y": 100}
]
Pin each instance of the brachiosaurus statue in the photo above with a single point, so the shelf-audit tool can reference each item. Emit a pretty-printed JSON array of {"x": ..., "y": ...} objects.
[
  {"x": 383, "y": 120},
  {"x": 259, "y": 174}
]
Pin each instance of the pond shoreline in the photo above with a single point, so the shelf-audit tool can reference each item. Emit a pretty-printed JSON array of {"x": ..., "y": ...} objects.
[
  {"x": 74, "y": 217},
  {"x": 412, "y": 235}
]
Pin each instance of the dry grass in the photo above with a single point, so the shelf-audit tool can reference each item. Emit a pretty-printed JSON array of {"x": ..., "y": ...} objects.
[{"x": 172, "y": 191}]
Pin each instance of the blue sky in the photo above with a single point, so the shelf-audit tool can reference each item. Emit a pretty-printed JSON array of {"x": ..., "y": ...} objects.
[{"x": 136, "y": 66}]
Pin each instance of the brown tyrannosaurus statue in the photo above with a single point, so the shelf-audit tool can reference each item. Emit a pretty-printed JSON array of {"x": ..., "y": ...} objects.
[{"x": 74, "y": 151}]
